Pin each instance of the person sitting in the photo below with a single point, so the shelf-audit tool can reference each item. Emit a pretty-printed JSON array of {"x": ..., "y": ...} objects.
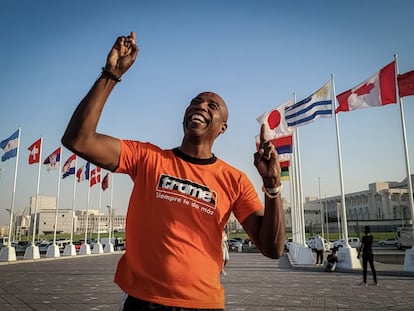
[{"x": 332, "y": 260}]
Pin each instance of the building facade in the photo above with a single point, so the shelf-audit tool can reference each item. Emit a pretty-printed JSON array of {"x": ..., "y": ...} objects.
[{"x": 384, "y": 206}]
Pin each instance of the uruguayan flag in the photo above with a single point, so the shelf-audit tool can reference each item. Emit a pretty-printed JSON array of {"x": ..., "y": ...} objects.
[
  {"x": 10, "y": 146},
  {"x": 319, "y": 104}
]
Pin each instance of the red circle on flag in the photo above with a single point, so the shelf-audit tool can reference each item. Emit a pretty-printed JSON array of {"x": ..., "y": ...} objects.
[{"x": 274, "y": 119}]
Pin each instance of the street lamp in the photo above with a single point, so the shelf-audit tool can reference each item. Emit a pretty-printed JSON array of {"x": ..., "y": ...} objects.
[{"x": 11, "y": 224}]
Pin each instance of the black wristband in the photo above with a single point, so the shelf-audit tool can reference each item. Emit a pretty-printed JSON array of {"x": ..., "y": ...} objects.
[{"x": 110, "y": 75}]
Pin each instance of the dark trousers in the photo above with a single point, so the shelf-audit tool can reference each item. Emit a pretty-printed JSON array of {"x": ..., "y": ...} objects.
[
  {"x": 319, "y": 256},
  {"x": 368, "y": 258},
  {"x": 135, "y": 304}
]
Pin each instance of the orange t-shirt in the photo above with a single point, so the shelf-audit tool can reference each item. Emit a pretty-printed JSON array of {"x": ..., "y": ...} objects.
[{"x": 176, "y": 215}]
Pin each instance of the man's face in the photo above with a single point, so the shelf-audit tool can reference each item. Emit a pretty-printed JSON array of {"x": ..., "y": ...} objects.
[{"x": 206, "y": 115}]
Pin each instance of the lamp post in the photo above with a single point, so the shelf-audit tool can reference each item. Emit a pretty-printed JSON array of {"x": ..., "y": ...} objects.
[
  {"x": 11, "y": 224},
  {"x": 321, "y": 207},
  {"x": 110, "y": 221}
]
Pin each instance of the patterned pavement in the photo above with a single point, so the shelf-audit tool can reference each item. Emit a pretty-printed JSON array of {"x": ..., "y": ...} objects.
[{"x": 252, "y": 283}]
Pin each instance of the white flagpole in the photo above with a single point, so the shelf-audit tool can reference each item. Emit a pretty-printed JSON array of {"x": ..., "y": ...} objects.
[
  {"x": 112, "y": 179},
  {"x": 37, "y": 191},
  {"x": 14, "y": 188},
  {"x": 8, "y": 252},
  {"x": 97, "y": 247},
  {"x": 293, "y": 205},
  {"x": 32, "y": 251},
  {"x": 58, "y": 196},
  {"x": 407, "y": 158},
  {"x": 300, "y": 190},
  {"x": 344, "y": 226},
  {"x": 73, "y": 199},
  {"x": 70, "y": 248},
  {"x": 87, "y": 207},
  {"x": 100, "y": 206}
]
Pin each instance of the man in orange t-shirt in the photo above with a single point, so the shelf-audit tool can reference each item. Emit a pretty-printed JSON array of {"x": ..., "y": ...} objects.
[{"x": 181, "y": 199}]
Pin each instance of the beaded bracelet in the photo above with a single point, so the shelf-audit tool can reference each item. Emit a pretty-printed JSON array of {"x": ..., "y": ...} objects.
[
  {"x": 110, "y": 74},
  {"x": 272, "y": 193}
]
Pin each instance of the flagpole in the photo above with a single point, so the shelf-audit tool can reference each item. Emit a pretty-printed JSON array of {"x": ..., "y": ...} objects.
[
  {"x": 111, "y": 180},
  {"x": 344, "y": 227},
  {"x": 87, "y": 210},
  {"x": 98, "y": 245},
  {"x": 14, "y": 188},
  {"x": 407, "y": 158},
  {"x": 300, "y": 190},
  {"x": 37, "y": 191},
  {"x": 58, "y": 196},
  {"x": 292, "y": 206},
  {"x": 111, "y": 200},
  {"x": 73, "y": 199},
  {"x": 32, "y": 251},
  {"x": 70, "y": 249}
]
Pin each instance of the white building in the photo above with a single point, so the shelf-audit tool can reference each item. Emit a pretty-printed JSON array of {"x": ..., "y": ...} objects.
[{"x": 384, "y": 206}]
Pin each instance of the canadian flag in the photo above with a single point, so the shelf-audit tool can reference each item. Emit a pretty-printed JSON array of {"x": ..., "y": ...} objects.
[{"x": 378, "y": 90}]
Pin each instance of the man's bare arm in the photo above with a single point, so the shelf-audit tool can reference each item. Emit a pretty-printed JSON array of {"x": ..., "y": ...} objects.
[{"x": 80, "y": 135}]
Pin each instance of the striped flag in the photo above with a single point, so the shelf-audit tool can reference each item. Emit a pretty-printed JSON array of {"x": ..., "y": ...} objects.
[
  {"x": 319, "y": 104},
  {"x": 83, "y": 172},
  {"x": 10, "y": 146},
  {"x": 284, "y": 167},
  {"x": 52, "y": 160},
  {"x": 69, "y": 166}
]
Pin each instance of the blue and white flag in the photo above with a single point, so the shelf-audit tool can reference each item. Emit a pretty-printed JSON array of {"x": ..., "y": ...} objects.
[
  {"x": 319, "y": 104},
  {"x": 10, "y": 146}
]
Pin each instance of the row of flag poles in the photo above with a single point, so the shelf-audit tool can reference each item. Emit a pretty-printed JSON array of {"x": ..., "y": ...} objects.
[
  {"x": 11, "y": 146},
  {"x": 282, "y": 128},
  {"x": 282, "y": 124}
]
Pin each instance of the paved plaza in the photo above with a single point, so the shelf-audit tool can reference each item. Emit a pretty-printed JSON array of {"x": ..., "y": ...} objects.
[{"x": 252, "y": 283}]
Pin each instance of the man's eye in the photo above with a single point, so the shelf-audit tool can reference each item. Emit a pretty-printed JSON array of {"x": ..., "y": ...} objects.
[{"x": 213, "y": 105}]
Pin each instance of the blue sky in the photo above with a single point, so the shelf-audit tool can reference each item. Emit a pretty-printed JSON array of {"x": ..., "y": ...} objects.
[{"x": 255, "y": 54}]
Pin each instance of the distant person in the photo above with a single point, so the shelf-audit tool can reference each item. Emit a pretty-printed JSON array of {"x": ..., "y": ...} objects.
[
  {"x": 367, "y": 255},
  {"x": 225, "y": 248},
  {"x": 116, "y": 243},
  {"x": 182, "y": 197},
  {"x": 319, "y": 246},
  {"x": 332, "y": 260}
]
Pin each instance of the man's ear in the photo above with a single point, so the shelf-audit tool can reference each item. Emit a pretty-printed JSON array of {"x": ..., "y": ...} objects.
[{"x": 223, "y": 128}]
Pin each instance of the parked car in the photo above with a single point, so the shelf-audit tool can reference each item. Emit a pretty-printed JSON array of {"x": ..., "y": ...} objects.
[
  {"x": 44, "y": 245},
  {"x": 78, "y": 245},
  {"x": 326, "y": 244},
  {"x": 22, "y": 245},
  {"x": 287, "y": 243},
  {"x": 311, "y": 242},
  {"x": 235, "y": 245},
  {"x": 352, "y": 241},
  {"x": 388, "y": 242}
]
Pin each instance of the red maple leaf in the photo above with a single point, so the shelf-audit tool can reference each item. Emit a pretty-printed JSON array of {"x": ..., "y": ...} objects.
[{"x": 364, "y": 89}]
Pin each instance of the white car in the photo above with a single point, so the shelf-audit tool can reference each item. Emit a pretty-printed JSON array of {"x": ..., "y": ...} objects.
[
  {"x": 388, "y": 242},
  {"x": 353, "y": 242}
]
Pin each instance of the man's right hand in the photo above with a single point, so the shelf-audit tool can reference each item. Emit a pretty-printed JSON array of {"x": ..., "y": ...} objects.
[{"x": 122, "y": 55}]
